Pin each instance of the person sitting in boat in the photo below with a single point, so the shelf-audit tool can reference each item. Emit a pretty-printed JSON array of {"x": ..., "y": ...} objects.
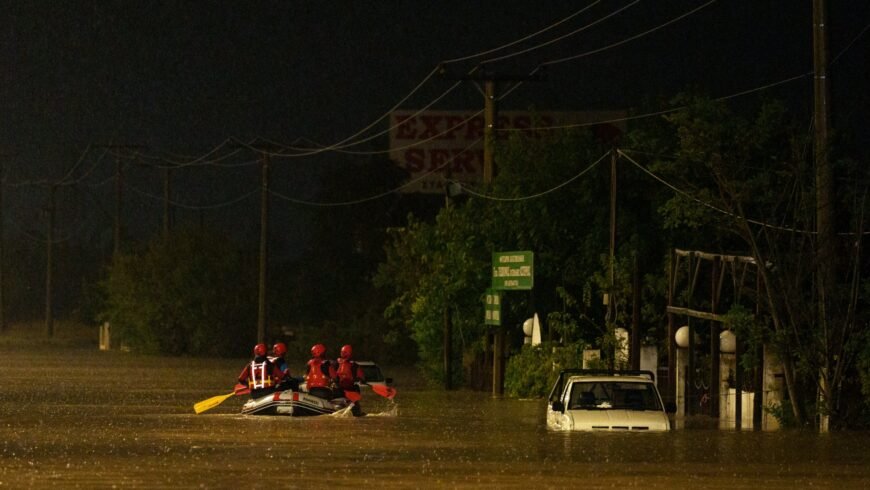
[
  {"x": 320, "y": 375},
  {"x": 349, "y": 372},
  {"x": 288, "y": 382},
  {"x": 261, "y": 375}
]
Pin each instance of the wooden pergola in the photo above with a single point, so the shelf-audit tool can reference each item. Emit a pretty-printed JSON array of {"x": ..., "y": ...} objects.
[{"x": 737, "y": 267}]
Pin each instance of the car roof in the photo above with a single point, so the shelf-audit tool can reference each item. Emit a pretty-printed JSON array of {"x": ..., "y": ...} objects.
[
  {"x": 567, "y": 376},
  {"x": 630, "y": 379}
]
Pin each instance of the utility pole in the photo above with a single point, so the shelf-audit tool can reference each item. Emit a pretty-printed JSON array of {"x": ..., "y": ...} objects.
[
  {"x": 49, "y": 266},
  {"x": 826, "y": 246},
  {"x": 490, "y": 114},
  {"x": 610, "y": 318},
  {"x": 264, "y": 239},
  {"x": 167, "y": 202},
  {"x": 117, "y": 231},
  {"x": 490, "y": 119},
  {"x": 2, "y": 266},
  {"x": 119, "y": 199}
]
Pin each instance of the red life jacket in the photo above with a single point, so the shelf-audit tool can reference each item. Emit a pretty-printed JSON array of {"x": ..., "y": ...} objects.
[
  {"x": 316, "y": 378},
  {"x": 347, "y": 373}
]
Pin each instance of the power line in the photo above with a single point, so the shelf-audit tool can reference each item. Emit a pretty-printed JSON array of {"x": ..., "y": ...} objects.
[
  {"x": 706, "y": 204},
  {"x": 560, "y": 38},
  {"x": 629, "y": 39},
  {"x": 217, "y": 205},
  {"x": 536, "y": 195},
  {"x": 381, "y": 194},
  {"x": 526, "y": 38}
]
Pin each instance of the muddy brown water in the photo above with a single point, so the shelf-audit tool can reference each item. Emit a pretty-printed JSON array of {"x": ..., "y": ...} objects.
[{"x": 80, "y": 418}]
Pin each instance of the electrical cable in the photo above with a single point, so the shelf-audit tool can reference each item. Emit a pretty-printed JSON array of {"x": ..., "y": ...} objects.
[
  {"x": 537, "y": 195},
  {"x": 72, "y": 170},
  {"x": 304, "y": 152},
  {"x": 564, "y": 36},
  {"x": 197, "y": 207},
  {"x": 629, "y": 39},
  {"x": 379, "y": 195},
  {"x": 526, "y": 38},
  {"x": 85, "y": 175},
  {"x": 706, "y": 204},
  {"x": 656, "y": 113}
]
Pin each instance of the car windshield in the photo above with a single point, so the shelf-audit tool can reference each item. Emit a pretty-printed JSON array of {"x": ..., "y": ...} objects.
[
  {"x": 613, "y": 395},
  {"x": 372, "y": 373}
]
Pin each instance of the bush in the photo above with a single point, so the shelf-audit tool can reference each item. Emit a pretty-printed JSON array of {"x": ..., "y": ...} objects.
[
  {"x": 189, "y": 294},
  {"x": 532, "y": 372}
]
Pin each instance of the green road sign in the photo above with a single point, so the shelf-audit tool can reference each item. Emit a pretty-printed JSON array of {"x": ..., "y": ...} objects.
[
  {"x": 492, "y": 307},
  {"x": 513, "y": 270}
]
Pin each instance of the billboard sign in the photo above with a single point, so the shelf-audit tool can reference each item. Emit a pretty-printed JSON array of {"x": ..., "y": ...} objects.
[{"x": 436, "y": 145}]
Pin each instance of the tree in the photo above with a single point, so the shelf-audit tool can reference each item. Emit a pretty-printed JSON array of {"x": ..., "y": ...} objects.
[
  {"x": 192, "y": 293},
  {"x": 546, "y": 197},
  {"x": 750, "y": 179}
]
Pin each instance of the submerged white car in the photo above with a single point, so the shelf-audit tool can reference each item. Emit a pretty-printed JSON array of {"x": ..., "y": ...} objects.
[
  {"x": 373, "y": 375},
  {"x": 601, "y": 400}
]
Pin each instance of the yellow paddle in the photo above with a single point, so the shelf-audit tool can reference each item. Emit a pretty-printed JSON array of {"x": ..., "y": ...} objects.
[{"x": 214, "y": 401}]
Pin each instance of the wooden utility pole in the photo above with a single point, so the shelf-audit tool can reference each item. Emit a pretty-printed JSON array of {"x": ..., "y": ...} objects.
[
  {"x": 826, "y": 246},
  {"x": 447, "y": 340},
  {"x": 264, "y": 239},
  {"x": 2, "y": 263},
  {"x": 49, "y": 266},
  {"x": 119, "y": 199},
  {"x": 490, "y": 110},
  {"x": 610, "y": 317},
  {"x": 117, "y": 231},
  {"x": 490, "y": 114},
  {"x": 167, "y": 202},
  {"x": 634, "y": 349}
]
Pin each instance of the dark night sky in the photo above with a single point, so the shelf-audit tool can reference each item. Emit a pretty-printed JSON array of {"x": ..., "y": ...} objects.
[{"x": 180, "y": 77}]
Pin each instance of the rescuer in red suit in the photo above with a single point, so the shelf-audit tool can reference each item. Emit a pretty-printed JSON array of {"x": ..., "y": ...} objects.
[
  {"x": 349, "y": 374},
  {"x": 320, "y": 374},
  {"x": 261, "y": 375}
]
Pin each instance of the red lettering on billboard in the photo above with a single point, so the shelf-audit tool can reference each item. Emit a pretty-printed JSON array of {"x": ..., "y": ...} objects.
[
  {"x": 463, "y": 162},
  {"x": 454, "y": 123},
  {"x": 474, "y": 128},
  {"x": 415, "y": 160},
  {"x": 405, "y": 130},
  {"x": 438, "y": 158},
  {"x": 431, "y": 123}
]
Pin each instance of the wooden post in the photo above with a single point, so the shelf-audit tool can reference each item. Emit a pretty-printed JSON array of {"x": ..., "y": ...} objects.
[
  {"x": 167, "y": 201},
  {"x": 690, "y": 370},
  {"x": 635, "y": 316},
  {"x": 714, "y": 339},
  {"x": 119, "y": 200},
  {"x": 49, "y": 267},
  {"x": 448, "y": 349},
  {"x": 672, "y": 331},
  {"x": 264, "y": 239}
]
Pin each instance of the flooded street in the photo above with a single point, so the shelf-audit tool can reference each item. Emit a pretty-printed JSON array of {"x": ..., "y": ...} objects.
[{"x": 84, "y": 418}]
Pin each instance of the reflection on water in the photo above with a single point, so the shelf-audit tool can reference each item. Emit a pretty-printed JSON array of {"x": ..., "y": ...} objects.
[{"x": 89, "y": 419}]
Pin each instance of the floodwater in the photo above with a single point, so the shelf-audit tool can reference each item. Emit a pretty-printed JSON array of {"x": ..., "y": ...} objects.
[{"x": 76, "y": 417}]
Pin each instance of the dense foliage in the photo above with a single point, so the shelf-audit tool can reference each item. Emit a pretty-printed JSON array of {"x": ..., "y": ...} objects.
[
  {"x": 190, "y": 294},
  {"x": 701, "y": 178},
  {"x": 533, "y": 370},
  {"x": 550, "y": 197}
]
